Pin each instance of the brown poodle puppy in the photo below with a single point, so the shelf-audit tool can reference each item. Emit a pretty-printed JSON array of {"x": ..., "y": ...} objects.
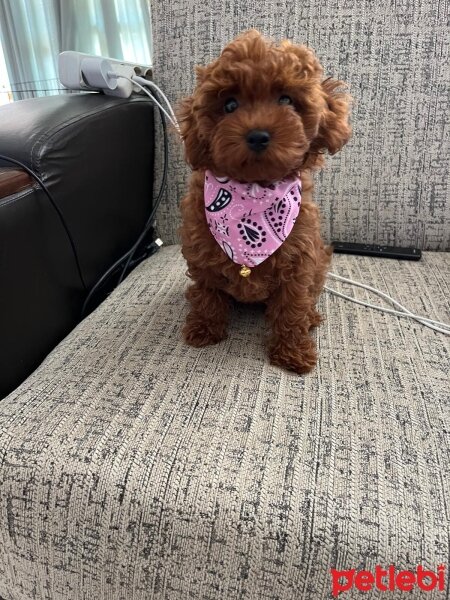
[{"x": 259, "y": 114}]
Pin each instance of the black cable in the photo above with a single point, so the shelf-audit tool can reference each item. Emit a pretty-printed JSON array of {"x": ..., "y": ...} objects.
[
  {"x": 157, "y": 202},
  {"x": 130, "y": 253},
  {"x": 55, "y": 206}
]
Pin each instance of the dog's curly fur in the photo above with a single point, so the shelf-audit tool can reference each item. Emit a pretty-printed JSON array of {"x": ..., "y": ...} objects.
[{"x": 256, "y": 73}]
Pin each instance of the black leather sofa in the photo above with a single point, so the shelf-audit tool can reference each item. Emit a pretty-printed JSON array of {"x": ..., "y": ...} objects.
[{"x": 95, "y": 155}]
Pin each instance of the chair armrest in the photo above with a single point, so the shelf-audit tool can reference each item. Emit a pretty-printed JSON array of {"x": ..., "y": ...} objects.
[
  {"x": 13, "y": 181},
  {"x": 95, "y": 155}
]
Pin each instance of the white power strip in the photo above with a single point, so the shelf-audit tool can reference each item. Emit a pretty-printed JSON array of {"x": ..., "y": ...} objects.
[
  {"x": 88, "y": 73},
  {"x": 78, "y": 71}
]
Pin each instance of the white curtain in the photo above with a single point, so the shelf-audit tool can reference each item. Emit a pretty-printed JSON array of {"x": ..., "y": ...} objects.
[{"x": 34, "y": 32}]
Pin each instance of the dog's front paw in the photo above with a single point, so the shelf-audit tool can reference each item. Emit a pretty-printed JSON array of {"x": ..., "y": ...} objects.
[
  {"x": 301, "y": 358},
  {"x": 199, "y": 333}
]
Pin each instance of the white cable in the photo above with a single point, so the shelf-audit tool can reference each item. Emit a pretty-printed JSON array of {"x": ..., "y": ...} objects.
[
  {"x": 151, "y": 84},
  {"x": 383, "y": 295},
  {"x": 422, "y": 320},
  {"x": 433, "y": 324},
  {"x": 404, "y": 312},
  {"x": 152, "y": 98},
  {"x": 169, "y": 117}
]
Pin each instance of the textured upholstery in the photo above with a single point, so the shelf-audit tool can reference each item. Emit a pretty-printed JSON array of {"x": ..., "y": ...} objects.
[
  {"x": 390, "y": 185},
  {"x": 135, "y": 467}
]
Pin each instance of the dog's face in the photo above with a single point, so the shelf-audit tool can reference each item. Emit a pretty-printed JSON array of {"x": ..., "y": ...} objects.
[{"x": 262, "y": 112}]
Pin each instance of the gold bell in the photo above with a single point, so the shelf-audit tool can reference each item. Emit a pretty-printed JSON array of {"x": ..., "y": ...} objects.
[{"x": 245, "y": 271}]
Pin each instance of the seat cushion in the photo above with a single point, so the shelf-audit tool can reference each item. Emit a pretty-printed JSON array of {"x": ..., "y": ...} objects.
[{"x": 134, "y": 466}]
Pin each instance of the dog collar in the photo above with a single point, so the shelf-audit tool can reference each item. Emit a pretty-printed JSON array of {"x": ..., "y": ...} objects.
[{"x": 250, "y": 221}]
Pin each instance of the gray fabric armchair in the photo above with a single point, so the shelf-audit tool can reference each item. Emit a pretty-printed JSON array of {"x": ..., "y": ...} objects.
[{"x": 135, "y": 467}]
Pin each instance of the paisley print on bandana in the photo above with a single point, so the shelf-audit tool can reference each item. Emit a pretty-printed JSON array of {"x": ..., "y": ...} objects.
[{"x": 250, "y": 221}]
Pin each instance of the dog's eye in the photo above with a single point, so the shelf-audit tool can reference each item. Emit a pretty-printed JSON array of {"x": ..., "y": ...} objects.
[
  {"x": 285, "y": 100},
  {"x": 230, "y": 105}
]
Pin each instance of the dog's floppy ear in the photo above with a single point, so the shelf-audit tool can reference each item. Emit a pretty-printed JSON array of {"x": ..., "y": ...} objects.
[
  {"x": 334, "y": 128},
  {"x": 195, "y": 149}
]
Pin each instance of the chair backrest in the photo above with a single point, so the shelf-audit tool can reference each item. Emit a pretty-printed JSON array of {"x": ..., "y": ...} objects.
[{"x": 390, "y": 184}]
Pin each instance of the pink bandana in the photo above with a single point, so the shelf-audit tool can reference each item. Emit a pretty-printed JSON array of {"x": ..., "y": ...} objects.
[{"x": 250, "y": 221}]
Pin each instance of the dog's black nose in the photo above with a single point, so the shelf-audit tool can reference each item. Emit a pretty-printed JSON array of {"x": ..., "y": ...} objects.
[{"x": 258, "y": 140}]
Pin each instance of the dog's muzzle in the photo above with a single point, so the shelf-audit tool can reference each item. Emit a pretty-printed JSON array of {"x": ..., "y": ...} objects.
[{"x": 258, "y": 140}]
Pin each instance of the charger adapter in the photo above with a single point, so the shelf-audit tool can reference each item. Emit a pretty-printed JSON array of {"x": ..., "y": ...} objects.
[{"x": 96, "y": 73}]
